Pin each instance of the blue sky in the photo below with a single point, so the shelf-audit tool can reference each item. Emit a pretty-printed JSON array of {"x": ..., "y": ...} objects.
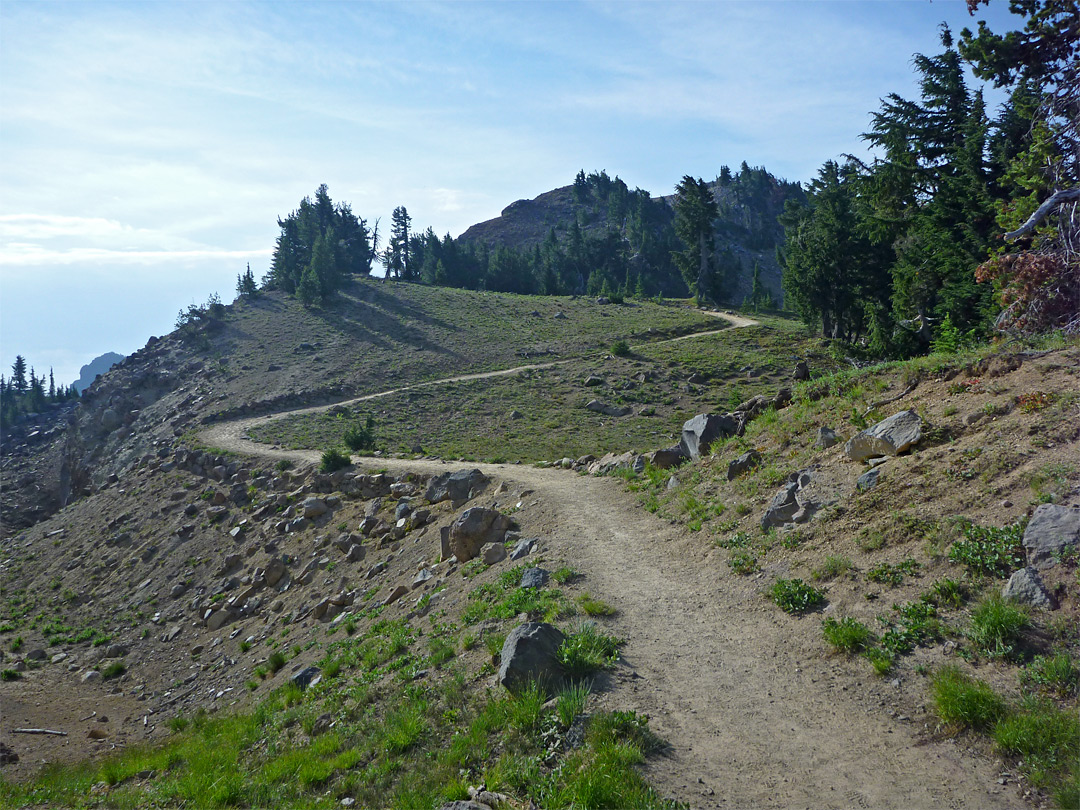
[{"x": 146, "y": 149}]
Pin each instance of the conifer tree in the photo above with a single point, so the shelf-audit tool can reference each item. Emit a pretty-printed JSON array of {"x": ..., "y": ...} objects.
[
  {"x": 695, "y": 217},
  {"x": 18, "y": 374}
]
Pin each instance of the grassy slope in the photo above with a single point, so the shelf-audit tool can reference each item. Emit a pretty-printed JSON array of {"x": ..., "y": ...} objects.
[
  {"x": 374, "y": 336},
  {"x": 472, "y": 420}
]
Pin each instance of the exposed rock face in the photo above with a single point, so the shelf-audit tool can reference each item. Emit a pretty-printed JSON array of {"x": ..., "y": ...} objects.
[
  {"x": 826, "y": 438},
  {"x": 668, "y": 457},
  {"x": 747, "y": 461},
  {"x": 474, "y": 529},
  {"x": 699, "y": 433},
  {"x": 530, "y": 655},
  {"x": 782, "y": 507},
  {"x": 890, "y": 437},
  {"x": 607, "y": 409},
  {"x": 457, "y": 487},
  {"x": 1026, "y": 587},
  {"x": 801, "y": 497},
  {"x": 1051, "y": 530}
]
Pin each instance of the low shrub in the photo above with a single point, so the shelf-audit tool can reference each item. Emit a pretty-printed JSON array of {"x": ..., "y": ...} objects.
[
  {"x": 333, "y": 460},
  {"x": 620, "y": 348},
  {"x": 961, "y": 700},
  {"x": 847, "y": 634},
  {"x": 795, "y": 596},
  {"x": 743, "y": 563},
  {"x": 996, "y": 626},
  {"x": 990, "y": 551}
]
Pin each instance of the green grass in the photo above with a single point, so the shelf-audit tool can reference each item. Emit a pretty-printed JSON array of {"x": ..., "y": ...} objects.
[
  {"x": 591, "y": 606},
  {"x": 1055, "y": 674},
  {"x": 571, "y": 702},
  {"x": 504, "y": 599},
  {"x": 833, "y": 566},
  {"x": 586, "y": 650},
  {"x": 848, "y": 635},
  {"x": 963, "y": 701},
  {"x": 795, "y": 596},
  {"x": 997, "y": 626},
  {"x": 1044, "y": 737}
]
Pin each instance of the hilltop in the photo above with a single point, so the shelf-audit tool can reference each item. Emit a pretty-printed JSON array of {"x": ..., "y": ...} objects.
[{"x": 189, "y": 556}]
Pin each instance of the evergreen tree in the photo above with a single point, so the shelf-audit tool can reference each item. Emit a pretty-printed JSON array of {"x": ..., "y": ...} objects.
[
  {"x": 18, "y": 374},
  {"x": 309, "y": 290},
  {"x": 695, "y": 217},
  {"x": 396, "y": 256},
  {"x": 52, "y": 386},
  {"x": 245, "y": 284}
]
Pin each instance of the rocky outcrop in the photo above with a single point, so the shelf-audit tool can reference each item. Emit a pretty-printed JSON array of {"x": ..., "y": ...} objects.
[
  {"x": 1051, "y": 531},
  {"x": 890, "y": 437},
  {"x": 474, "y": 529},
  {"x": 747, "y": 461},
  {"x": 456, "y": 487},
  {"x": 699, "y": 433},
  {"x": 607, "y": 409},
  {"x": 530, "y": 655}
]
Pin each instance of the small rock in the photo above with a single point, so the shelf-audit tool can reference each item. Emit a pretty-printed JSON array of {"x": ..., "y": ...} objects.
[
  {"x": 1026, "y": 586},
  {"x": 492, "y": 553},
  {"x": 826, "y": 438},
  {"x": 395, "y": 594},
  {"x": 523, "y": 548},
  {"x": 534, "y": 578},
  {"x": 868, "y": 480},
  {"x": 309, "y": 676},
  {"x": 746, "y": 461},
  {"x": 1051, "y": 531},
  {"x": 91, "y": 676}
]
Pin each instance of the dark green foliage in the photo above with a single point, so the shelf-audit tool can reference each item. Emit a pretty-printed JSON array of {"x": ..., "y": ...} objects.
[
  {"x": 847, "y": 634},
  {"x": 990, "y": 551},
  {"x": 333, "y": 460},
  {"x": 361, "y": 436},
  {"x": 587, "y": 650},
  {"x": 996, "y": 626},
  {"x": 961, "y": 700},
  {"x": 915, "y": 624},
  {"x": 347, "y": 248},
  {"x": 245, "y": 284},
  {"x": 276, "y": 660},
  {"x": 620, "y": 348},
  {"x": 695, "y": 218},
  {"x": 795, "y": 596},
  {"x": 22, "y": 395}
]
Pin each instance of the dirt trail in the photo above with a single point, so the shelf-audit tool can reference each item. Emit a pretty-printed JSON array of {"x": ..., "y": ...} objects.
[{"x": 757, "y": 716}]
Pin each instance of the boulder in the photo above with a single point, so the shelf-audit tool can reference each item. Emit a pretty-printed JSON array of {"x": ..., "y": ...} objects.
[
  {"x": 534, "y": 578},
  {"x": 699, "y": 433},
  {"x": 782, "y": 508},
  {"x": 668, "y": 457},
  {"x": 746, "y": 461},
  {"x": 1026, "y": 587},
  {"x": 1051, "y": 531},
  {"x": 612, "y": 462},
  {"x": 457, "y": 487},
  {"x": 530, "y": 655},
  {"x": 890, "y": 437},
  {"x": 313, "y": 508},
  {"x": 492, "y": 553},
  {"x": 523, "y": 548},
  {"x": 592, "y": 380},
  {"x": 801, "y": 372},
  {"x": 474, "y": 529},
  {"x": 607, "y": 409},
  {"x": 395, "y": 594},
  {"x": 275, "y": 570},
  {"x": 868, "y": 480},
  {"x": 309, "y": 676},
  {"x": 826, "y": 438}
]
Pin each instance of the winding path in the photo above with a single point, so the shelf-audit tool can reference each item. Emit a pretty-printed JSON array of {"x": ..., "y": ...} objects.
[{"x": 756, "y": 714}]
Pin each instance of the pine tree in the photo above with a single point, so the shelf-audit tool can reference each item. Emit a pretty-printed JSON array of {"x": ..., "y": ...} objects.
[
  {"x": 52, "y": 386},
  {"x": 309, "y": 290},
  {"x": 18, "y": 374},
  {"x": 695, "y": 217},
  {"x": 245, "y": 284}
]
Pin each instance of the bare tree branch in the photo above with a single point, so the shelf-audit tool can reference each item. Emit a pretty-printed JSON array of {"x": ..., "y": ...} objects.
[{"x": 1064, "y": 196}]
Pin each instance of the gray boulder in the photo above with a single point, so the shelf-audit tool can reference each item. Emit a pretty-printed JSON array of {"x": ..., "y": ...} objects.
[
  {"x": 592, "y": 380},
  {"x": 1051, "y": 531},
  {"x": 492, "y": 553},
  {"x": 890, "y": 437},
  {"x": 699, "y": 433},
  {"x": 530, "y": 655},
  {"x": 668, "y": 457},
  {"x": 746, "y": 461},
  {"x": 308, "y": 676},
  {"x": 826, "y": 438},
  {"x": 523, "y": 548},
  {"x": 474, "y": 529},
  {"x": 534, "y": 578},
  {"x": 607, "y": 409},
  {"x": 314, "y": 507},
  {"x": 1026, "y": 587},
  {"x": 782, "y": 508},
  {"x": 868, "y": 480},
  {"x": 457, "y": 487}
]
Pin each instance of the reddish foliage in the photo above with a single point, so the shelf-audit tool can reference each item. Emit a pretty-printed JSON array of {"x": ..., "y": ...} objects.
[{"x": 1038, "y": 291}]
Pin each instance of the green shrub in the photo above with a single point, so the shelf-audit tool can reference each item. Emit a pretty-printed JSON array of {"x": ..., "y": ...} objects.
[
  {"x": 989, "y": 551},
  {"x": 564, "y": 575},
  {"x": 620, "y": 348},
  {"x": 916, "y": 625},
  {"x": 1044, "y": 736},
  {"x": 996, "y": 626},
  {"x": 833, "y": 567},
  {"x": 743, "y": 563},
  {"x": 10, "y": 675},
  {"x": 882, "y": 660},
  {"x": 114, "y": 669},
  {"x": 848, "y": 634},
  {"x": 1056, "y": 673},
  {"x": 591, "y": 606},
  {"x": 333, "y": 460},
  {"x": 282, "y": 465},
  {"x": 587, "y": 650},
  {"x": 276, "y": 660},
  {"x": 795, "y": 596},
  {"x": 947, "y": 593},
  {"x": 361, "y": 436},
  {"x": 961, "y": 700}
]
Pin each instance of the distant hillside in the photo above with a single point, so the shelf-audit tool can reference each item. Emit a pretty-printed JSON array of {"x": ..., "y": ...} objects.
[
  {"x": 597, "y": 206},
  {"x": 97, "y": 366}
]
